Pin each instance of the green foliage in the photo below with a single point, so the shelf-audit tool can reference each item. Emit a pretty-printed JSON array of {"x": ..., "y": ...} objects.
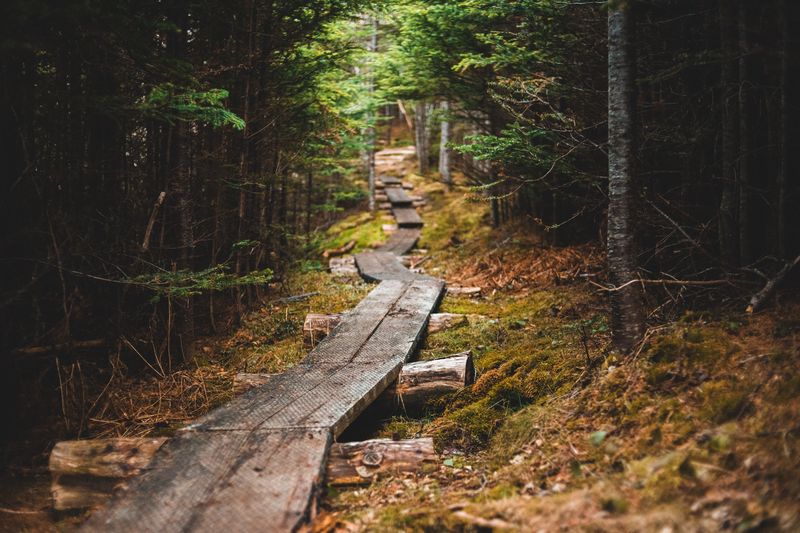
[
  {"x": 168, "y": 103},
  {"x": 185, "y": 283}
]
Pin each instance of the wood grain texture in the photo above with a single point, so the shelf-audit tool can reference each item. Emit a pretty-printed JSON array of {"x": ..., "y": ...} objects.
[
  {"x": 398, "y": 197},
  {"x": 211, "y": 480},
  {"x": 407, "y": 217},
  {"x": 358, "y": 463},
  {"x": 390, "y": 181},
  {"x": 401, "y": 241}
]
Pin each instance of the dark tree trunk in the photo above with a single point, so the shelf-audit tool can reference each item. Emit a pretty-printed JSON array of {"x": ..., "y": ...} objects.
[
  {"x": 783, "y": 110},
  {"x": 309, "y": 205},
  {"x": 745, "y": 141},
  {"x": 421, "y": 136},
  {"x": 728, "y": 202},
  {"x": 627, "y": 310}
]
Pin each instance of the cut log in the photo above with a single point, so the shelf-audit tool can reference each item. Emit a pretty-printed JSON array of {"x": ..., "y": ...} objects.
[
  {"x": 420, "y": 203},
  {"x": 389, "y": 228},
  {"x": 317, "y": 326},
  {"x": 464, "y": 291},
  {"x": 408, "y": 186},
  {"x": 85, "y": 473},
  {"x": 343, "y": 266},
  {"x": 421, "y": 382},
  {"x": 385, "y": 205},
  {"x": 358, "y": 463},
  {"x": 340, "y": 250},
  {"x": 442, "y": 321}
]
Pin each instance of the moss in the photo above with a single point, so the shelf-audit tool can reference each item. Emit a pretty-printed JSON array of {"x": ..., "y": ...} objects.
[
  {"x": 614, "y": 504},
  {"x": 665, "y": 478},
  {"x": 693, "y": 346},
  {"x": 724, "y": 401},
  {"x": 363, "y": 228},
  {"x": 499, "y": 492}
]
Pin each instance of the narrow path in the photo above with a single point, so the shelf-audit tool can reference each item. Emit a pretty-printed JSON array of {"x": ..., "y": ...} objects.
[{"x": 257, "y": 463}]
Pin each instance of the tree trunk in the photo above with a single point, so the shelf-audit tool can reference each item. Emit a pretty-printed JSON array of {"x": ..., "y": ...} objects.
[
  {"x": 373, "y": 48},
  {"x": 728, "y": 203},
  {"x": 627, "y": 312},
  {"x": 309, "y": 197},
  {"x": 745, "y": 142},
  {"x": 444, "y": 151},
  {"x": 783, "y": 170},
  {"x": 421, "y": 136}
]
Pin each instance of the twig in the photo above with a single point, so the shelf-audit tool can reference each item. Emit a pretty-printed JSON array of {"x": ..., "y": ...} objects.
[
  {"x": 661, "y": 282},
  {"x": 150, "y": 223},
  {"x": 760, "y": 298}
]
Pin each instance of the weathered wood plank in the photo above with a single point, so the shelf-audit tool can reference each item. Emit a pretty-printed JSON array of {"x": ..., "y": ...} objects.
[
  {"x": 398, "y": 197},
  {"x": 407, "y": 217},
  {"x": 380, "y": 266},
  {"x": 401, "y": 241},
  {"x": 390, "y": 181},
  {"x": 209, "y": 481}
]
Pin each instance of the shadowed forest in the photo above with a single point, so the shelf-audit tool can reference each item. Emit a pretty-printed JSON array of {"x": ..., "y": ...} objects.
[{"x": 197, "y": 195}]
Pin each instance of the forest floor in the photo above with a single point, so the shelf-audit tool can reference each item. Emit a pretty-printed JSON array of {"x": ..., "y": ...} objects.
[{"x": 698, "y": 431}]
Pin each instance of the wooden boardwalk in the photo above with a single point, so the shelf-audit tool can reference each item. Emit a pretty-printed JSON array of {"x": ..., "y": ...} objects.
[
  {"x": 401, "y": 241},
  {"x": 398, "y": 197},
  {"x": 257, "y": 463}
]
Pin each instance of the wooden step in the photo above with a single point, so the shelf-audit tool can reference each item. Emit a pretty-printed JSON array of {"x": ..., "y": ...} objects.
[
  {"x": 398, "y": 197},
  {"x": 407, "y": 217}
]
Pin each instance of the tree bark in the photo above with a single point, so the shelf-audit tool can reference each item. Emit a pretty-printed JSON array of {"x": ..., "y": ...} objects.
[
  {"x": 372, "y": 48},
  {"x": 358, "y": 463},
  {"x": 421, "y": 136},
  {"x": 728, "y": 243},
  {"x": 627, "y": 310},
  {"x": 783, "y": 170},
  {"x": 745, "y": 141},
  {"x": 444, "y": 151}
]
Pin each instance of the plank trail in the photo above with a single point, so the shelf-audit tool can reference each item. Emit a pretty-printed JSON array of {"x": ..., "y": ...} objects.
[{"x": 257, "y": 463}]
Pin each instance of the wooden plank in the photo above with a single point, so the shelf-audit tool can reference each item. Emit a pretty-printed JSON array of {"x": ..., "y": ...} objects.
[
  {"x": 398, "y": 197},
  {"x": 210, "y": 481},
  {"x": 390, "y": 181},
  {"x": 407, "y": 217},
  {"x": 382, "y": 266},
  {"x": 402, "y": 241}
]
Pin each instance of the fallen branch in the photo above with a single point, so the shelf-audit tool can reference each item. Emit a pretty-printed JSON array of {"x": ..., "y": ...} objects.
[
  {"x": 61, "y": 347},
  {"x": 760, "y": 298},
  {"x": 150, "y": 223},
  {"x": 660, "y": 282},
  {"x": 296, "y": 298},
  {"x": 339, "y": 251}
]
